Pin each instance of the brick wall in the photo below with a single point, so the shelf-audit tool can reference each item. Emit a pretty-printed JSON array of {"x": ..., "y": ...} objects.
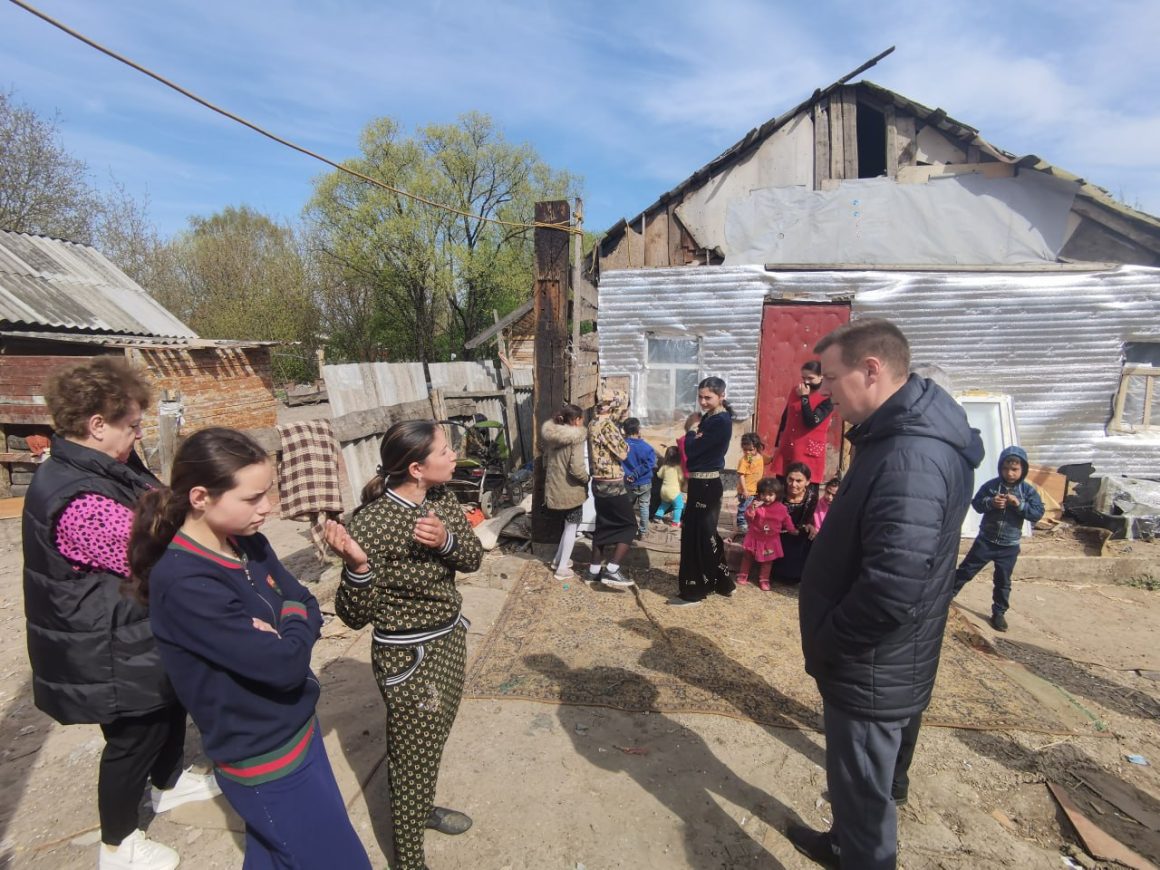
[
  {"x": 218, "y": 387},
  {"x": 22, "y": 380}
]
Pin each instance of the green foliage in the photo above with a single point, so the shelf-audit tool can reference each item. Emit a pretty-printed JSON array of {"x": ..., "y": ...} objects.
[
  {"x": 239, "y": 275},
  {"x": 403, "y": 280}
]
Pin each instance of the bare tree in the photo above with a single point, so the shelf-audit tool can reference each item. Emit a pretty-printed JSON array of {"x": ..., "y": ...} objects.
[
  {"x": 43, "y": 189},
  {"x": 46, "y": 191}
]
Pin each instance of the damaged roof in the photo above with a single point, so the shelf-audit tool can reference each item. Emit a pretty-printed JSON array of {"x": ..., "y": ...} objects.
[
  {"x": 937, "y": 118},
  {"x": 55, "y": 283}
]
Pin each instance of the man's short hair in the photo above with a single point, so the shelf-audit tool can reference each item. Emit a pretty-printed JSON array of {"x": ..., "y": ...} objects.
[{"x": 874, "y": 337}]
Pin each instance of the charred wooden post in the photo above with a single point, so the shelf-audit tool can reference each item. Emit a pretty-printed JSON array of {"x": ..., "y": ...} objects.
[{"x": 551, "y": 312}]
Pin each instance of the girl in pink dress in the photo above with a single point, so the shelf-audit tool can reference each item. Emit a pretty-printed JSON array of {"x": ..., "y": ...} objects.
[
  {"x": 823, "y": 506},
  {"x": 767, "y": 519}
]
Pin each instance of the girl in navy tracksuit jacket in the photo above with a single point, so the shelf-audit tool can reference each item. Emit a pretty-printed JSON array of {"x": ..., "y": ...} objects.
[{"x": 235, "y": 630}]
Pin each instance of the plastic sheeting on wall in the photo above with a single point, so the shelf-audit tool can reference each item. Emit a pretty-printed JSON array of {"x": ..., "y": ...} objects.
[{"x": 959, "y": 219}]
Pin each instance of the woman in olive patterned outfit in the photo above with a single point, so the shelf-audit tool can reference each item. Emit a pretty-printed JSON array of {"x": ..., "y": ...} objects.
[{"x": 403, "y": 548}]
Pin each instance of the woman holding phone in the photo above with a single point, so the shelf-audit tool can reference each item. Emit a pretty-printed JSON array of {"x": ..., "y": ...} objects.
[{"x": 805, "y": 423}]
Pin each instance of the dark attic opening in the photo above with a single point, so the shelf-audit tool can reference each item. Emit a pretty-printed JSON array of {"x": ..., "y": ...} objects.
[{"x": 871, "y": 142}]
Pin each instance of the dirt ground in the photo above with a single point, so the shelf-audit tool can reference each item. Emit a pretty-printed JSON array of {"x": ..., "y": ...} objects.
[{"x": 578, "y": 787}]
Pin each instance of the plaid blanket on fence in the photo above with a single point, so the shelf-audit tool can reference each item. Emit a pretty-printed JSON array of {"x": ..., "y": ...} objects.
[{"x": 308, "y": 476}]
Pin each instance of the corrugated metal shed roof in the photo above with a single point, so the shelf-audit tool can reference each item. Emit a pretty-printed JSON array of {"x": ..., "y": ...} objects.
[
  {"x": 150, "y": 342},
  {"x": 50, "y": 282}
]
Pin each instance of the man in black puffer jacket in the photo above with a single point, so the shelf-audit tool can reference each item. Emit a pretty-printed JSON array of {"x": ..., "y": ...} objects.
[{"x": 880, "y": 578}]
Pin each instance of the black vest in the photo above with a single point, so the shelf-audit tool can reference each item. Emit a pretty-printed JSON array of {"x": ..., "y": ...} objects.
[{"x": 91, "y": 648}]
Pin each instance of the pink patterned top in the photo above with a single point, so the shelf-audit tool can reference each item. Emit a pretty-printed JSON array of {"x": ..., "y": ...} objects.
[{"x": 93, "y": 533}]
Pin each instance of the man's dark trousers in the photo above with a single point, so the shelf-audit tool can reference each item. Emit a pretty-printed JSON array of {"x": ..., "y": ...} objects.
[
  {"x": 860, "y": 759},
  {"x": 982, "y": 552}
]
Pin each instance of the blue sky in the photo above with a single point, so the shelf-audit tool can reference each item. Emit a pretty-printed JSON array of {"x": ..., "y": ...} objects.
[{"x": 633, "y": 96}]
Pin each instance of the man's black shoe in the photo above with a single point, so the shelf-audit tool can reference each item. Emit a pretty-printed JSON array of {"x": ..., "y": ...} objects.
[
  {"x": 818, "y": 846},
  {"x": 999, "y": 621}
]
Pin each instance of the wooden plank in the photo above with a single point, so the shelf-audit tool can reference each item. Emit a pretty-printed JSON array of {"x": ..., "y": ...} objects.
[
  {"x": 375, "y": 421},
  {"x": 1122, "y": 225},
  {"x": 849, "y": 133},
  {"x": 17, "y": 457},
  {"x": 906, "y": 138},
  {"x": 438, "y": 405},
  {"x": 11, "y": 508},
  {"x": 821, "y": 142},
  {"x": 474, "y": 395},
  {"x": 167, "y": 425},
  {"x": 1127, "y": 798},
  {"x": 25, "y": 414},
  {"x": 1099, "y": 844},
  {"x": 1149, "y": 391},
  {"x": 551, "y": 307},
  {"x": 837, "y": 128},
  {"x": 1050, "y": 481},
  {"x": 923, "y": 174},
  {"x": 889, "y": 113},
  {"x": 676, "y": 250},
  {"x": 1117, "y": 424},
  {"x": 511, "y": 423}
]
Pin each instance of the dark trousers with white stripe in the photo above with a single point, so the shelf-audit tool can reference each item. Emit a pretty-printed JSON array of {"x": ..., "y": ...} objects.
[{"x": 298, "y": 822}]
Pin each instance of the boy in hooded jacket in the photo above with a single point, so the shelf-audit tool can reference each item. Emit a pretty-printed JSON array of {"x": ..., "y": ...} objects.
[{"x": 1005, "y": 502}]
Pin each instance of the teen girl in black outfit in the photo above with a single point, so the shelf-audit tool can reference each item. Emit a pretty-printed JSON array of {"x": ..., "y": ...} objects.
[{"x": 702, "y": 551}]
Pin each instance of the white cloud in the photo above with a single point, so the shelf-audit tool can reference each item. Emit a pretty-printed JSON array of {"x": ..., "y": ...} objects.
[{"x": 634, "y": 96}]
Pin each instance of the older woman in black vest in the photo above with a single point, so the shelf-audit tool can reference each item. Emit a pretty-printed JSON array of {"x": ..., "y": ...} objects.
[{"x": 91, "y": 648}]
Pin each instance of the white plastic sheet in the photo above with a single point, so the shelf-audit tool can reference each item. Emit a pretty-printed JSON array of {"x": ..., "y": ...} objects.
[{"x": 963, "y": 219}]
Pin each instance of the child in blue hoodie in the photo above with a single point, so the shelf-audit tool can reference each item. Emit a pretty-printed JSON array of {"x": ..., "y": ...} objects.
[
  {"x": 638, "y": 471},
  {"x": 235, "y": 630},
  {"x": 1005, "y": 502}
]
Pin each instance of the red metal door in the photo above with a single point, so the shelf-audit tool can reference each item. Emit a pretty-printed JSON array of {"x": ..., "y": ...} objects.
[{"x": 788, "y": 335}]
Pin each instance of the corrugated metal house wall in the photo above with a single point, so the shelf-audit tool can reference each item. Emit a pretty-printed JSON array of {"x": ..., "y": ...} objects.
[
  {"x": 721, "y": 306},
  {"x": 1052, "y": 340}
]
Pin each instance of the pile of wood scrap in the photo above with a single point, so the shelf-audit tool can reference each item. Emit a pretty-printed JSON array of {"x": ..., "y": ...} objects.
[
  {"x": 1115, "y": 820},
  {"x": 1052, "y": 487}
]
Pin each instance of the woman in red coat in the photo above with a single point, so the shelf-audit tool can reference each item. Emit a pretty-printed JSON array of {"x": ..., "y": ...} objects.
[{"x": 805, "y": 422}]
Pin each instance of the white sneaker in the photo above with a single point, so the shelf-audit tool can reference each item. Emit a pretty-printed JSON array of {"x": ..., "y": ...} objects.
[
  {"x": 189, "y": 787},
  {"x": 138, "y": 852}
]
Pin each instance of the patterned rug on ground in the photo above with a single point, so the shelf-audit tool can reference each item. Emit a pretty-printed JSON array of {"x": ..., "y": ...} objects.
[{"x": 572, "y": 643}]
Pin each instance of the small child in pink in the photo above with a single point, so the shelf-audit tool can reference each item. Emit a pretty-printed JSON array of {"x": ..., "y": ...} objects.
[
  {"x": 767, "y": 519},
  {"x": 827, "y": 498}
]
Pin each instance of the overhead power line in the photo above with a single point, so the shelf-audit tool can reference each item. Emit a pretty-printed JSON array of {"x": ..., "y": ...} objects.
[{"x": 185, "y": 92}]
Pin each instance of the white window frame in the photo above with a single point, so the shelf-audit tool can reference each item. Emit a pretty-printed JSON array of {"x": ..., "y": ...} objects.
[{"x": 672, "y": 369}]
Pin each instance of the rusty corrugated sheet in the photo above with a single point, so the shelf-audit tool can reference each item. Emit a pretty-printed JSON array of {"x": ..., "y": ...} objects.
[
  {"x": 1051, "y": 340},
  {"x": 48, "y": 282}
]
